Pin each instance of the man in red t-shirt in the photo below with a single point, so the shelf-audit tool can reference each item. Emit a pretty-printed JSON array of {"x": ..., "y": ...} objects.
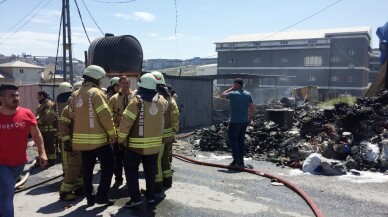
[{"x": 15, "y": 124}]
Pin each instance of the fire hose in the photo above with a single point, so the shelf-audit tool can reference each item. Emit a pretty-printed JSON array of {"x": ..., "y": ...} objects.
[{"x": 293, "y": 187}]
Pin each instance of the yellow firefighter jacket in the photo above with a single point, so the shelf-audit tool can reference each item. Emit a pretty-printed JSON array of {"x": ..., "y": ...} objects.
[
  {"x": 171, "y": 121},
  {"x": 46, "y": 116},
  {"x": 117, "y": 104},
  {"x": 143, "y": 123},
  {"x": 93, "y": 125},
  {"x": 65, "y": 123}
]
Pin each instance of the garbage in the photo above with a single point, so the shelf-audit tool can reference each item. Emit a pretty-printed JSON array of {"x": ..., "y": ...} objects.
[
  {"x": 350, "y": 134},
  {"x": 312, "y": 162}
]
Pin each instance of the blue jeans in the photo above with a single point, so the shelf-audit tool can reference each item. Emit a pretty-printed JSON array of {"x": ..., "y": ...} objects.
[
  {"x": 237, "y": 141},
  {"x": 8, "y": 176}
]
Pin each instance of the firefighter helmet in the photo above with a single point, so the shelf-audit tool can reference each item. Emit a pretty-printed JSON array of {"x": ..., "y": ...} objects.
[
  {"x": 64, "y": 87},
  {"x": 104, "y": 90},
  {"x": 159, "y": 77},
  {"x": 147, "y": 81},
  {"x": 114, "y": 81},
  {"x": 76, "y": 86},
  {"x": 95, "y": 72}
]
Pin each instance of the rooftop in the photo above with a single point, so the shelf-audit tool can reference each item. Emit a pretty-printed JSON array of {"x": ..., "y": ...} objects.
[
  {"x": 295, "y": 34},
  {"x": 20, "y": 64}
]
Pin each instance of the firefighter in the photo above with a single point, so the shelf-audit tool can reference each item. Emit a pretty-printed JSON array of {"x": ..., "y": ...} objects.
[
  {"x": 61, "y": 102},
  {"x": 113, "y": 87},
  {"x": 141, "y": 132},
  {"x": 164, "y": 173},
  {"x": 93, "y": 134},
  {"x": 47, "y": 117},
  {"x": 117, "y": 104},
  {"x": 72, "y": 184},
  {"x": 175, "y": 116}
]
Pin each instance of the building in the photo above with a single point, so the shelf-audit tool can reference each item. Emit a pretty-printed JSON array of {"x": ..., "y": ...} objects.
[
  {"x": 335, "y": 60},
  {"x": 18, "y": 73},
  {"x": 374, "y": 64},
  {"x": 158, "y": 64}
]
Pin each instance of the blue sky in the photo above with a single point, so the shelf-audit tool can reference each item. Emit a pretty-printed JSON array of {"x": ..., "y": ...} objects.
[{"x": 199, "y": 23}]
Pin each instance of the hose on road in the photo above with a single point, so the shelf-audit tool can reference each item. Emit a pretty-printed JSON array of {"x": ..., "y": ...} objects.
[{"x": 293, "y": 187}]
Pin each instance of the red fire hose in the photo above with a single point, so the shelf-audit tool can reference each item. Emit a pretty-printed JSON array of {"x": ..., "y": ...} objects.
[{"x": 293, "y": 187}]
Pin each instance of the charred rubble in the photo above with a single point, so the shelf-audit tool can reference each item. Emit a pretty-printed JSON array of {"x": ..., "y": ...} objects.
[{"x": 314, "y": 130}]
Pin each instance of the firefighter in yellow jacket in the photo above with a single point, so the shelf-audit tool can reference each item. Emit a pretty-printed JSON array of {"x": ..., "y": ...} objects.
[
  {"x": 171, "y": 126},
  {"x": 141, "y": 130},
  {"x": 62, "y": 101},
  {"x": 72, "y": 183},
  {"x": 117, "y": 104},
  {"x": 93, "y": 134},
  {"x": 47, "y": 117}
]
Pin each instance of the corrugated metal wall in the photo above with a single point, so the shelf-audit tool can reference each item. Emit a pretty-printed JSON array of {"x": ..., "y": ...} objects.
[{"x": 195, "y": 100}]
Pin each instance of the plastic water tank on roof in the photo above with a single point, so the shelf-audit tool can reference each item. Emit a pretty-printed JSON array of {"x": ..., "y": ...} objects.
[{"x": 116, "y": 53}]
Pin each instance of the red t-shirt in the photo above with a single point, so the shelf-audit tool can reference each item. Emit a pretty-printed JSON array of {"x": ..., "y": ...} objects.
[{"x": 14, "y": 131}]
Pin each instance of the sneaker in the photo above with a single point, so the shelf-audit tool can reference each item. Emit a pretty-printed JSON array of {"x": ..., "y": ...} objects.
[
  {"x": 66, "y": 196},
  {"x": 133, "y": 203},
  {"x": 117, "y": 184}
]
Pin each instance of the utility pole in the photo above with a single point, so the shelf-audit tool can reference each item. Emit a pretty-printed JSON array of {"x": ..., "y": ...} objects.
[{"x": 66, "y": 29}]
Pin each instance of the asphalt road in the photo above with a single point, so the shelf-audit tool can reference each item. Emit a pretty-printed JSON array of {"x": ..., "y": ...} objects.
[{"x": 208, "y": 191}]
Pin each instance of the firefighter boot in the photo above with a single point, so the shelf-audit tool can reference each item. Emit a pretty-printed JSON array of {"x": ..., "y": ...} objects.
[
  {"x": 158, "y": 187},
  {"x": 167, "y": 182},
  {"x": 66, "y": 196}
]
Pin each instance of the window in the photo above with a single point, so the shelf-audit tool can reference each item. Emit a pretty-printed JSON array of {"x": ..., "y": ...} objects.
[
  {"x": 231, "y": 46},
  {"x": 257, "y": 60},
  {"x": 335, "y": 78},
  {"x": 21, "y": 71},
  {"x": 284, "y": 60},
  {"x": 256, "y": 43},
  {"x": 351, "y": 65},
  {"x": 283, "y": 78},
  {"x": 311, "y": 43},
  {"x": 313, "y": 61},
  {"x": 312, "y": 78},
  {"x": 350, "y": 79},
  {"x": 335, "y": 59},
  {"x": 352, "y": 52},
  {"x": 231, "y": 61},
  {"x": 284, "y": 42}
]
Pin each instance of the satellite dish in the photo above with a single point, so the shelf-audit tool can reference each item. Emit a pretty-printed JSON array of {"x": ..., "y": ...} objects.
[{"x": 48, "y": 72}]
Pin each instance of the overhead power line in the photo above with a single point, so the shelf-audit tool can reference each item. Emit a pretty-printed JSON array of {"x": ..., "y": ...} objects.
[
  {"x": 115, "y": 2},
  {"x": 2, "y": 35},
  {"x": 92, "y": 17},
  {"x": 80, "y": 16},
  {"x": 318, "y": 12},
  {"x": 33, "y": 16}
]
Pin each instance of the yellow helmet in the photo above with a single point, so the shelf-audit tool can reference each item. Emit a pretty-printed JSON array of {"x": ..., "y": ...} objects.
[
  {"x": 95, "y": 72},
  {"x": 76, "y": 86},
  {"x": 159, "y": 77},
  {"x": 64, "y": 87},
  {"x": 147, "y": 81}
]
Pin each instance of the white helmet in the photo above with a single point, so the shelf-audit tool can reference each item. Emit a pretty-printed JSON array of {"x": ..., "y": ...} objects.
[
  {"x": 104, "y": 89},
  {"x": 95, "y": 72},
  {"x": 147, "y": 81},
  {"x": 114, "y": 81},
  {"x": 64, "y": 87},
  {"x": 76, "y": 86},
  {"x": 159, "y": 77}
]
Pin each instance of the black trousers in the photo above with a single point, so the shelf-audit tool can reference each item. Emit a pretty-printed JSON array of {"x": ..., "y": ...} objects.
[
  {"x": 118, "y": 166},
  {"x": 131, "y": 167},
  {"x": 105, "y": 155}
]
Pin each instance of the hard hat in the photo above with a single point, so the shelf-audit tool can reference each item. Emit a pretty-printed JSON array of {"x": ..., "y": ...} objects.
[
  {"x": 95, "y": 72},
  {"x": 76, "y": 86},
  {"x": 147, "y": 81},
  {"x": 114, "y": 81},
  {"x": 159, "y": 77},
  {"x": 104, "y": 89},
  {"x": 64, "y": 87}
]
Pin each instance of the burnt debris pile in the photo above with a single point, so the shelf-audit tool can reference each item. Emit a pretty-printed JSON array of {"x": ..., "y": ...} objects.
[{"x": 345, "y": 137}]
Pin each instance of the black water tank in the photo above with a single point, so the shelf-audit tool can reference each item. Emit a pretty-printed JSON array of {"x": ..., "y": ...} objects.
[{"x": 116, "y": 53}]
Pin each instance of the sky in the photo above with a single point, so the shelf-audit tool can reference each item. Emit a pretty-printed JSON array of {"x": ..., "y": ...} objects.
[{"x": 174, "y": 29}]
